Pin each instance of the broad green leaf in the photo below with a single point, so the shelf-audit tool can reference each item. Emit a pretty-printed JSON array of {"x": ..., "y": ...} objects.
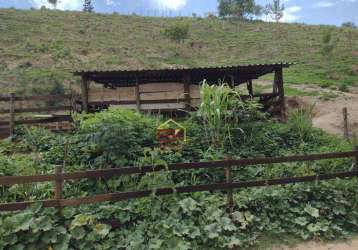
[
  {"x": 213, "y": 230},
  {"x": 188, "y": 205},
  {"x": 313, "y": 227},
  {"x": 302, "y": 221},
  {"x": 102, "y": 230},
  {"x": 82, "y": 220},
  {"x": 314, "y": 212}
]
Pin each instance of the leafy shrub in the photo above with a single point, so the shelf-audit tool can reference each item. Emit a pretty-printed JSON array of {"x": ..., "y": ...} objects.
[
  {"x": 178, "y": 32},
  {"x": 328, "y": 42},
  {"x": 343, "y": 87},
  {"x": 117, "y": 136}
]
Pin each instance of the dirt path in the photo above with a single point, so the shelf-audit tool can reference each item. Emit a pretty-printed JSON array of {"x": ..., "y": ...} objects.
[
  {"x": 328, "y": 113},
  {"x": 328, "y": 105},
  {"x": 346, "y": 245}
]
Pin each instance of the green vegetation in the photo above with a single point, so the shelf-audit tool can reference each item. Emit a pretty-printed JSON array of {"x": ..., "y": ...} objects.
[
  {"x": 39, "y": 48},
  {"x": 178, "y": 33},
  {"x": 275, "y": 10},
  {"x": 240, "y": 9},
  {"x": 117, "y": 137}
]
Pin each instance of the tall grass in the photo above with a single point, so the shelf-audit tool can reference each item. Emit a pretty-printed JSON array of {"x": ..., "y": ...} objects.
[
  {"x": 221, "y": 111},
  {"x": 301, "y": 121}
]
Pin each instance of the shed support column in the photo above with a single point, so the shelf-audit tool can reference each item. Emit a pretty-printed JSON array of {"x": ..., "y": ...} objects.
[
  {"x": 232, "y": 82},
  {"x": 84, "y": 86},
  {"x": 250, "y": 89},
  {"x": 281, "y": 92},
  {"x": 187, "y": 81},
  {"x": 137, "y": 95}
]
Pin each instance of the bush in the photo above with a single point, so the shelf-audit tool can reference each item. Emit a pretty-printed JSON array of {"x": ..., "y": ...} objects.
[
  {"x": 117, "y": 136},
  {"x": 328, "y": 42},
  {"x": 343, "y": 87},
  {"x": 178, "y": 32}
]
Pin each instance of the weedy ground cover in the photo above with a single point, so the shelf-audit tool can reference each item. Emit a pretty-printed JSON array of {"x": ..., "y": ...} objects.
[{"x": 117, "y": 137}]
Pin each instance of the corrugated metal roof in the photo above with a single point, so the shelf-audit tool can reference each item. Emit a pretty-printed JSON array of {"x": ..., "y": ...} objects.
[{"x": 227, "y": 67}]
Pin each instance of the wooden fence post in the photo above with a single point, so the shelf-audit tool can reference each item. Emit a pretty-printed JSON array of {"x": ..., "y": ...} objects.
[
  {"x": 345, "y": 123},
  {"x": 58, "y": 186},
  {"x": 12, "y": 116},
  {"x": 230, "y": 198}
]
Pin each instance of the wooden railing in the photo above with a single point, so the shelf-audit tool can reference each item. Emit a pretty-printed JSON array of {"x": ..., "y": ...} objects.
[
  {"x": 59, "y": 178},
  {"x": 12, "y": 110}
]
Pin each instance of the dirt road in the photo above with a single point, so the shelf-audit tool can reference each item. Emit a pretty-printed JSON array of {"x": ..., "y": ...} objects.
[{"x": 346, "y": 245}]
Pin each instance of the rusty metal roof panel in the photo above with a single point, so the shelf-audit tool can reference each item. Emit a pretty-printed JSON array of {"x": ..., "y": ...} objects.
[{"x": 205, "y": 68}]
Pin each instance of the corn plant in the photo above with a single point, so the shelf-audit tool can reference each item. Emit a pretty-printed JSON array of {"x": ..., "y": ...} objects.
[{"x": 220, "y": 111}]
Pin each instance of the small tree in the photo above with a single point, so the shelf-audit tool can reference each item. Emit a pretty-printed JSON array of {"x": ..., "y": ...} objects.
[
  {"x": 178, "y": 32},
  {"x": 87, "y": 6},
  {"x": 328, "y": 43},
  {"x": 275, "y": 10},
  {"x": 241, "y": 9},
  {"x": 53, "y": 2},
  {"x": 349, "y": 25}
]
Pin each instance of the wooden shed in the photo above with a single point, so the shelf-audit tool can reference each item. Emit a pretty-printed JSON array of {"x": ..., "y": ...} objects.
[{"x": 173, "y": 89}]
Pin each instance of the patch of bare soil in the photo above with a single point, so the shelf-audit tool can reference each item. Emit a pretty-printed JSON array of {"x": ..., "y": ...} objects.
[
  {"x": 328, "y": 114},
  {"x": 312, "y": 245}
]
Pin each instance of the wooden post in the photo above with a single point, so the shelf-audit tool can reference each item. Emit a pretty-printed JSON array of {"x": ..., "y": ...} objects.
[
  {"x": 73, "y": 103},
  {"x": 84, "y": 88},
  {"x": 187, "y": 81},
  {"x": 281, "y": 92},
  {"x": 58, "y": 185},
  {"x": 274, "y": 87},
  {"x": 230, "y": 198},
  {"x": 12, "y": 116},
  {"x": 356, "y": 158},
  {"x": 137, "y": 95},
  {"x": 345, "y": 123},
  {"x": 250, "y": 88},
  {"x": 232, "y": 82}
]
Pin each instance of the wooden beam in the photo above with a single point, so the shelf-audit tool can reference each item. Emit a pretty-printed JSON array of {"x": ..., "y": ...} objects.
[
  {"x": 12, "y": 115},
  {"x": 37, "y": 98},
  {"x": 137, "y": 94},
  {"x": 250, "y": 89},
  {"x": 281, "y": 93},
  {"x": 275, "y": 84},
  {"x": 232, "y": 81},
  {"x": 187, "y": 81},
  {"x": 115, "y": 197},
  {"x": 120, "y": 171},
  {"x": 35, "y": 110},
  {"x": 84, "y": 89}
]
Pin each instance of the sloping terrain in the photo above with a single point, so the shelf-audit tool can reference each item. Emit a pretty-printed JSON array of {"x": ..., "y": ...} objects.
[{"x": 38, "y": 49}]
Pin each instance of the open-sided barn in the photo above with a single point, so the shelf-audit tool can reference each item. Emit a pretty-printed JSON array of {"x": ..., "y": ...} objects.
[{"x": 173, "y": 89}]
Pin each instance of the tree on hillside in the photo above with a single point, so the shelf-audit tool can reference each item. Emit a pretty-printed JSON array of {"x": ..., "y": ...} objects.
[
  {"x": 241, "y": 9},
  {"x": 349, "y": 25},
  {"x": 53, "y": 2},
  {"x": 87, "y": 6},
  {"x": 275, "y": 10},
  {"x": 178, "y": 32}
]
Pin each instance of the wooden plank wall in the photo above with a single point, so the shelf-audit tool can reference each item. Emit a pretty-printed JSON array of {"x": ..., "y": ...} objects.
[{"x": 151, "y": 95}]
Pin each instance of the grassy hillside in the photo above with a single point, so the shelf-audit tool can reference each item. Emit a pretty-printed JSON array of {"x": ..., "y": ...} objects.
[{"x": 40, "y": 48}]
